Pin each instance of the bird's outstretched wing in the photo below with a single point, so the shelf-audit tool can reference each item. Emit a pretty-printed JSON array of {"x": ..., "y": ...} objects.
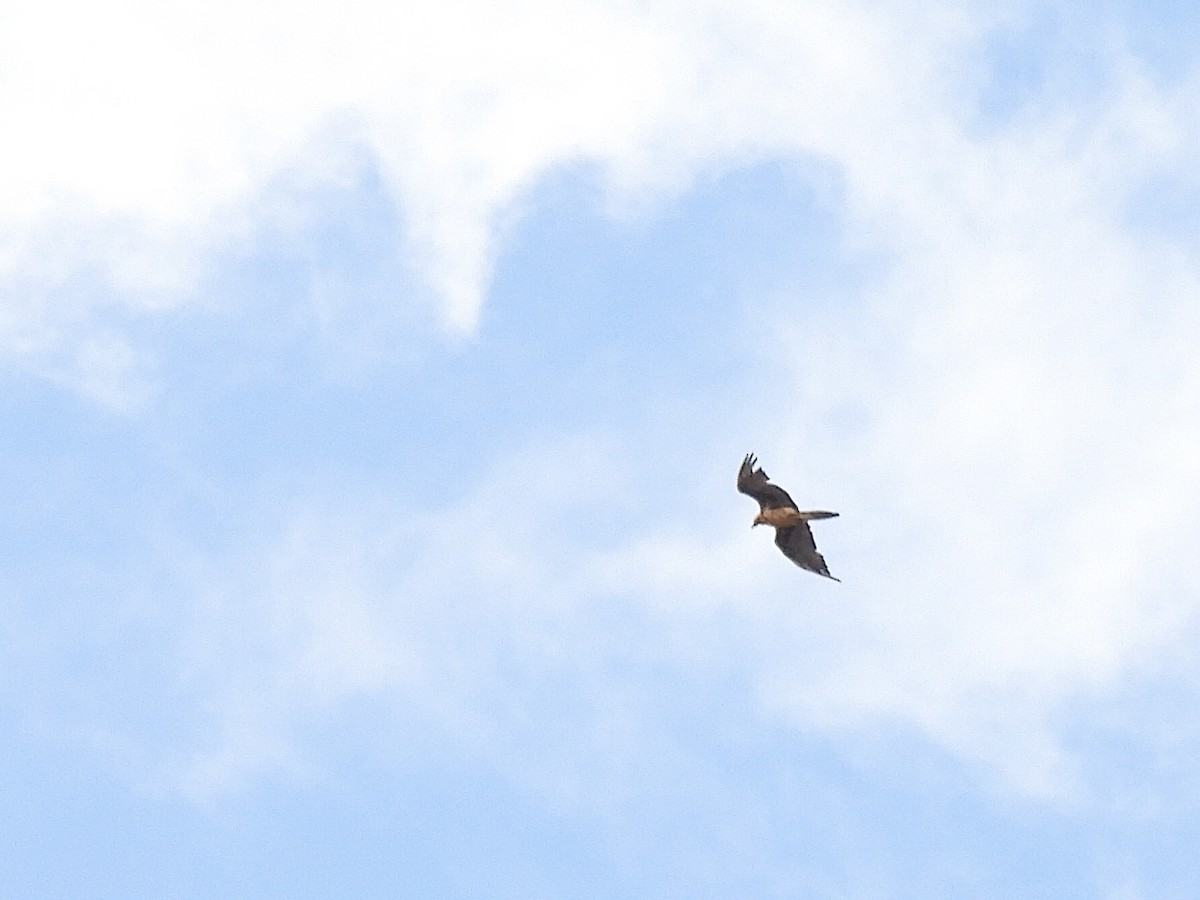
[
  {"x": 753, "y": 482},
  {"x": 798, "y": 545}
]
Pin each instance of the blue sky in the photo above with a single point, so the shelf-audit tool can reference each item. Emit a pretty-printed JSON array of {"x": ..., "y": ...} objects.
[{"x": 375, "y": 380}]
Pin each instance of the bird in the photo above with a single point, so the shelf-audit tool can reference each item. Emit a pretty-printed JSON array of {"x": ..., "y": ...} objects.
[{"x": 777, "y": 509}]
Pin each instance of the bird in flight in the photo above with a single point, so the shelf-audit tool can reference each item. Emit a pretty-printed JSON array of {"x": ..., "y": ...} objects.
[{"x": 777, "y": 509}]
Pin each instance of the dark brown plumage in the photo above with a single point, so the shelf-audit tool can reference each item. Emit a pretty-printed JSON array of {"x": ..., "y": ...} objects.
[{"x": 777, "y": 509}]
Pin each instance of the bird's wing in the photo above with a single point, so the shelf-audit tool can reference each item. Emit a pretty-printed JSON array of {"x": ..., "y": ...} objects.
[
  {"x": 798, "y": 545},
  {"x": 753, "y": 482}
]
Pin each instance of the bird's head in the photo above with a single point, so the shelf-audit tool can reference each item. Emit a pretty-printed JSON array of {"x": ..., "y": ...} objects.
[{"x": 759, "y": 520}]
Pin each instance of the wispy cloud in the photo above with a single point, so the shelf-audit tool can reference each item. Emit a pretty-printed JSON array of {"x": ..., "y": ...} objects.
[{"x": 1032, "y": 417}]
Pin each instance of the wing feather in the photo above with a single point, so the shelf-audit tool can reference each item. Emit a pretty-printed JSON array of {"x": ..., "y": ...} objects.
[
  {"x": 754, "y": 483},
  {"x": 798, "y": 545}
]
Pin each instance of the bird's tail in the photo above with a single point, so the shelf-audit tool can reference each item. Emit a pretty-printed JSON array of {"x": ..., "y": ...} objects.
[{"x": 816, "y": 514}]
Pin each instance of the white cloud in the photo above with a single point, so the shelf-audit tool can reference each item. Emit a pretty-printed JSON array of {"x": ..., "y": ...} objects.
[
  {"x": 141, "y": 139},
  {"x": 167, "y": 125},
  {"x": 1034, "y": 421}
]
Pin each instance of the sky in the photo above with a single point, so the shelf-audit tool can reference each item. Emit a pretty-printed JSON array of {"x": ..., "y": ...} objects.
[{"x": 374, "y": 378}]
